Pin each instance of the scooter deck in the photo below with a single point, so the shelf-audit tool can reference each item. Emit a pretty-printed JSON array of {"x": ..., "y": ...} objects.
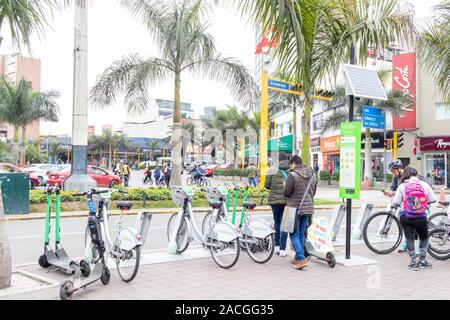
[
  {"x": 95, "y": 275},
  {"x": 60, "y": 260}
]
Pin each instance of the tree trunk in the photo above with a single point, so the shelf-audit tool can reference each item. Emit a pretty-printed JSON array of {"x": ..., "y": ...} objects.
[
  {"x": 5, "y": 253},
  {"x": 306, "y": 134},
  {"x": 23, "y": 150},
  {"x": 294, "y": 129},
  {"x": 368, "y": 157},
  {"x": 15, "y": 149},
  {"x": 175, "y": 178},
  {"x": 24, "y": 141}
]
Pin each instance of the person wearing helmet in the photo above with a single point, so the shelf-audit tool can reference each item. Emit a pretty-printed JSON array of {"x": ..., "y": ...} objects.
[{"x": 397, "y": 169}]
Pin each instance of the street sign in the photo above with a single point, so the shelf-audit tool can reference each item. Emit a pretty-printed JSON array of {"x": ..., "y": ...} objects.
[
  {"x": 350, "y": 172},
  {"x": 275, "y": 84},
  {"x": 373, "y": 118},
  {"x": 363, "y": 83}
]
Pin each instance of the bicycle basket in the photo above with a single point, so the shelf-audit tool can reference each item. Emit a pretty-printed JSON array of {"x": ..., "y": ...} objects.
[{"x": 216, "y": 194}]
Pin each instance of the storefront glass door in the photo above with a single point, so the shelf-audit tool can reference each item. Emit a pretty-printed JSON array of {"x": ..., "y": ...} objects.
[{"x": 436, "y": 169}]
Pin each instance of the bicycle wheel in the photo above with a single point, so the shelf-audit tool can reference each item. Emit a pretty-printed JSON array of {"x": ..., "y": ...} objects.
[
  {"x": 382, "y": 233},
  {"x": 127, "y": 263},
  {"x": 205, "y": 222},
  {"x": 439, "y": 244},
  {"x": 206, "y": 183},
  {"x": 260, "y": 250},
  {"x": 225, "y": 254},
  {"x": 91, "y": 254},
  {"x": 438, "y": 220},
  {"x": 182, "y": 238}
]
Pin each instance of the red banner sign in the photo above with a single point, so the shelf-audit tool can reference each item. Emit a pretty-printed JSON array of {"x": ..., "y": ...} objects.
[
  {"x": 435, "y": 144},
  {"x": 404, "y": 79}
]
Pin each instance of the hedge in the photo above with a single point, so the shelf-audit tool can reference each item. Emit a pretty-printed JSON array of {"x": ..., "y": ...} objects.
[{"x": 232, "y": 172}]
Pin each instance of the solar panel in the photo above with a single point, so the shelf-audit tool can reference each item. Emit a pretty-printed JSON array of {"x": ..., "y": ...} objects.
[{"x": 364, "y": 83}]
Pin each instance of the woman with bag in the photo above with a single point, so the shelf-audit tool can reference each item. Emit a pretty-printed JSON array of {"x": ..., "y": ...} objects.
[
  {"x": 300, "y": 190},
  {"x": 275, "y": 180}
]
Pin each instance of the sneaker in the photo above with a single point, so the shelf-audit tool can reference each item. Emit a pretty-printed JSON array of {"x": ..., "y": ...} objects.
[
  {"x": 301, "y": 264},
  {"x": 424, "y": 264},
  {"x": 277, "y": 249},
  {"x": 403, "y": 248},
  {"x": 417, "y": 252},
  {"x": 294, "y": 261},
  {"x": 413, "y": 265},
  {"x": 283, "y": 253}
]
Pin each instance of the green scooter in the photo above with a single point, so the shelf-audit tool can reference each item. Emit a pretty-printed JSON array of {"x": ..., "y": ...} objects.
[{"x": 58, "y": 258}]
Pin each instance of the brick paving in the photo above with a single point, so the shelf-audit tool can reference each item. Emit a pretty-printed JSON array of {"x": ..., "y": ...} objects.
[{"x": 202, "y": 279}]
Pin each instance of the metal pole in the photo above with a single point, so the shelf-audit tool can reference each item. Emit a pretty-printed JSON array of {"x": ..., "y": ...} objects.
[
  {"x": 384, "y": 167},
  {"x": 263, "y": 148},
  {"x": 348, "y": 227}
]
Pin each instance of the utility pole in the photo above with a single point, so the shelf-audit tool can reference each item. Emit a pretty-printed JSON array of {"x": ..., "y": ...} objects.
[{"x": 79, "y": 179}]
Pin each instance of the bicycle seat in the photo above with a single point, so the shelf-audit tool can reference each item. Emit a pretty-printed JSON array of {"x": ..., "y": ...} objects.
[
  {"x": 249, "y": 205},
  {"x": 444, "y": 203},
  {"x": 215, "y": 204},
  {"x": 124, "y": 205}
]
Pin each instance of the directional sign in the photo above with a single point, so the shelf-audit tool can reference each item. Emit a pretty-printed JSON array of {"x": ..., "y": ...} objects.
[
  {"x": 373, "y": 118},
  {"x": 363, "y": 83},
  {"x": 279, "y": 85}
]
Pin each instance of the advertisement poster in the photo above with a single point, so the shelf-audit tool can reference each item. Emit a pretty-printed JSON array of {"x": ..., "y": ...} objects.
[
  {"x": 404, "y": 79},
  {"x": 319, "y": 235},
  {"x": 350, "y": 156}
]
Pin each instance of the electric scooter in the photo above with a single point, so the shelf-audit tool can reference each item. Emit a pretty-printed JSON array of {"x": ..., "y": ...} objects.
[
  {"x": 310, "y": 251},
  {"x": 58, "y": 258}
]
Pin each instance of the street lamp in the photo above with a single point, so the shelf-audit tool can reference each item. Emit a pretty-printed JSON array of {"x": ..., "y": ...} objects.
[{"x": 79, "y": 179}]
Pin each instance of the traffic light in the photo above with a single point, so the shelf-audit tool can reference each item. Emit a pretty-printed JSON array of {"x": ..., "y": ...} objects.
[{"x": 237, "y": 145}]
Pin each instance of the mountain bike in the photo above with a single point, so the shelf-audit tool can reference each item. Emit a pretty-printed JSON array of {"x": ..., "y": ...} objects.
[
  {"x": 201, "y": 181},
  {"x": 383, "y": 233},
  {"x": 220, "y": 237},
  {"x": 257, "y": 237}
]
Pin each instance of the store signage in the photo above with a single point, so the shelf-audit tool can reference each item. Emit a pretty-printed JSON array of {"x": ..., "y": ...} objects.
[
  {"x": 377, "y": 139},
  {"x": 350, "y": 157},
  {"x": 331, "y": 144},
  {"x": 404, "y": 79},
  {"x": 435, "y": 144}
]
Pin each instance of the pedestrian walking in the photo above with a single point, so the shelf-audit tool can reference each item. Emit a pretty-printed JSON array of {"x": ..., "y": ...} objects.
[
  {"x": 167, "y": 174},
  {"x": 414, "y": 195},
  {"x": 251, "y": 174},
  {"x": 157, "y": 175},
  {"x": 300, "y": 190},
  {"x": 126, "y": 171},
  {"x": 275, "y": 181}
]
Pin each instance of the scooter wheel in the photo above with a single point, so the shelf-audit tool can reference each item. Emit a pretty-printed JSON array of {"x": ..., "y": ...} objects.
[
  {"x": 65, "y": 292},
  {"x": 106, "y": 276},
  {"x": 331, "y": 260},
  {"x": 43, "y": 262},
  {"x": 85, "y": 268}
]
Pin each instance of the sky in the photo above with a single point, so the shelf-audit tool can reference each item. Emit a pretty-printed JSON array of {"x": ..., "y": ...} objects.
[{"x": 113, "y": 34}]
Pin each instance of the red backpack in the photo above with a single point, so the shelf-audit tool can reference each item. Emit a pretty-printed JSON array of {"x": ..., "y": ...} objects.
[{"x": 415, "y": 200}]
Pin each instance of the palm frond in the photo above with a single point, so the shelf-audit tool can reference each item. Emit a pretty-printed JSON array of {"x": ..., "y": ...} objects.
[{"x": 334, "y": 121}]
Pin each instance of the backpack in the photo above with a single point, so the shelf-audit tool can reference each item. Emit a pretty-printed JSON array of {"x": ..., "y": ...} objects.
[{"x": 415, "y": 201}]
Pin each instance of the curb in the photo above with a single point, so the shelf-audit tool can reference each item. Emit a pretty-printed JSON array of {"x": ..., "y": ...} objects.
[{"x": 82, "y": 214}]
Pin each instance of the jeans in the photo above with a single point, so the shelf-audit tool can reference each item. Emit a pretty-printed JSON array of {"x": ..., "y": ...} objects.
[
  {"x": 298, "y": 237},
  {"x": 252, "y": 182},
  {"x": 280, "y": 237}
]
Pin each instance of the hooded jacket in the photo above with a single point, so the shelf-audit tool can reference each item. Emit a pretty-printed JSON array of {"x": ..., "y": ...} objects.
[
  {"x": 275, "y": 183},
  {"x": 296, "y": 186}
]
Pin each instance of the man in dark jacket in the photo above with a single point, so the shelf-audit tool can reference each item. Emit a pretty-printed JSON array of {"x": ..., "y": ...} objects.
[
  {"x": 275, "y": 181},
  {"x": 294, "y": 191}
]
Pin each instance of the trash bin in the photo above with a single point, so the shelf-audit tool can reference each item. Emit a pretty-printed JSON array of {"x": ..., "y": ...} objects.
[{"x": 15, "y": 192}]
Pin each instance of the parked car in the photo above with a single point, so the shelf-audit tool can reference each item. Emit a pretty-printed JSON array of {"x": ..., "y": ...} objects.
[
  {"x": 102, "y": 177},
  {"x": 209, "y": 170},
  {"x": 10, "y": 168},
  {"x": 226, "y": 166},
  {"x": 40, "y": 169}
]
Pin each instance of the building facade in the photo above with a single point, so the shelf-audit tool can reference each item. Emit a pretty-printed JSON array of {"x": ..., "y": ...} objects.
[{"x": 14, "y": 68}]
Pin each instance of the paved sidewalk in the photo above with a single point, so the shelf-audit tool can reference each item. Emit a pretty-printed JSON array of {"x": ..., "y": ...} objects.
[{"x": 203, "y": 279}]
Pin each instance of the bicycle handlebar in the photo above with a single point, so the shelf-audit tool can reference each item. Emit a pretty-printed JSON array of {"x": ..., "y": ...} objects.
[{"x": 96, "y": 191}]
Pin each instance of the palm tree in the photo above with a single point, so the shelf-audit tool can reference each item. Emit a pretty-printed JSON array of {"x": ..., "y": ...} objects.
[
  {"x": 22, "y": 17},
  {"x": 434, "y": 50},
  {"x": 180, "y": 31},
  {"x": 153, "y": 145},
  {"x": 396, "y": 101},
  {"x": 20, "y": 106},
  {"x": 318, "y": 35},
  {"x": 55, "y": 148}
]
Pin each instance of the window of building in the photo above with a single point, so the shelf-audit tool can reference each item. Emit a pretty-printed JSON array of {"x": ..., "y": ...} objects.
[
  {"x": 317, "y": 121},
  {"x": 442, "y": 111}
]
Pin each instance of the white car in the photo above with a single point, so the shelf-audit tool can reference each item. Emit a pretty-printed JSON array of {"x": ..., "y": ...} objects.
[{"x": 40, "y": 169}]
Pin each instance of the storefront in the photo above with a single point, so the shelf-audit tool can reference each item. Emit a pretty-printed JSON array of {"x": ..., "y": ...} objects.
[
  {"x": 330, "y": 148},
  {"x": 435, "y": 153},
  {"x": 315, "y": 151},
  {"x": 377, "y": 139}
]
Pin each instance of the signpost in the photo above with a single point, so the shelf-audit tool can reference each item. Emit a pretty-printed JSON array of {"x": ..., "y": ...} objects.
[
  {"x": 373, "y": 118},
  {"x": 350, "y": 172}
]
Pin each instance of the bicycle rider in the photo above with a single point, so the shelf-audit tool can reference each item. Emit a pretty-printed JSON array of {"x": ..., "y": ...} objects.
[{"x": 198, "y": 173}]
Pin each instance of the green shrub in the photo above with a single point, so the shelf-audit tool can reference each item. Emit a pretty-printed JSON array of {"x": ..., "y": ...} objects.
[
  {"x": 389, "y": 177},
  {"x": 232, "y": 172},
  {"x": 324, "y": 175},
  {"x": 335, "y": 176}
]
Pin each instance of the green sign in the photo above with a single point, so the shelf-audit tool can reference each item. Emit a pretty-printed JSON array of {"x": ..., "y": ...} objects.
[
  {"x": 283, "y": 143},
  {"x": 350, "y": 171}
]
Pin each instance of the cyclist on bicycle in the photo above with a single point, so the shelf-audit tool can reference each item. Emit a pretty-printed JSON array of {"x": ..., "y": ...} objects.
[
  {"x": 414, "y": 195},
  {"x": 198, "y": 173}
]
